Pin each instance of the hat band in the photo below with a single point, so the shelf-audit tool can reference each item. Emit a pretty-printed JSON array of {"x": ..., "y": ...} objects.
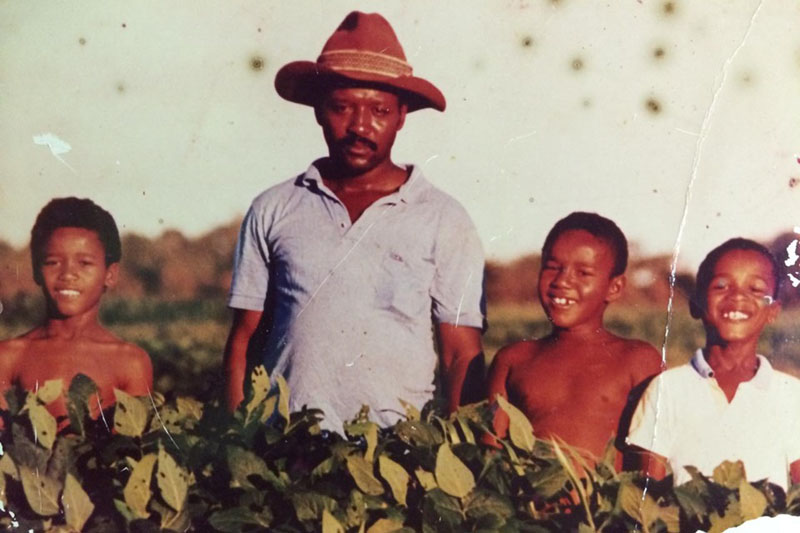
[{"x": 363, "y": 61}]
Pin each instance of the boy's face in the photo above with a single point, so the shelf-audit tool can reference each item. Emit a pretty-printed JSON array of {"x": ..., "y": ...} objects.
[
  {"x": 73, "y": 271},
  {"x": 575, "y": 282},
  {"x": 739, "y": 296},
  {"x": 360, "y": 125}
]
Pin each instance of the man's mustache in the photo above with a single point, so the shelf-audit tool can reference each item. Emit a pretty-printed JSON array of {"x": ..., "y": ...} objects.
[{"x": 352, "y": 139}]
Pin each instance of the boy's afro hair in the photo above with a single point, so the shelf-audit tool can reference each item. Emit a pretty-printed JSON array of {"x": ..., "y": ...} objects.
[
  {"x": 601, "y": 228},
  {"x": 74, "y": 213},
  {"x": 706, "y": 270}
]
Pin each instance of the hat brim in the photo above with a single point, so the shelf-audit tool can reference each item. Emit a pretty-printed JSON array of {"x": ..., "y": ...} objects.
[{"x": 302, "y": 82}]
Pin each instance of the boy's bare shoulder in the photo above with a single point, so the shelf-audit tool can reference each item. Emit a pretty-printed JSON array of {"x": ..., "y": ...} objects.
[
  {"x": 640, "y": 356},
  {"x": 518, "y": 352}
]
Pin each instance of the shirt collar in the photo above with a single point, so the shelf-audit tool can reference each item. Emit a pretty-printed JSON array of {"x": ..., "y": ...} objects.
[
  {"x": 760, "y": 380},
  {"x": 411, "y": 190}
]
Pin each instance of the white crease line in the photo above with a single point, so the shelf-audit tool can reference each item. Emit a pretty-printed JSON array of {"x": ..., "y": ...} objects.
[
  {"x": 687, "y": 200},
  {"x": 160, "y": 421},
  {"x": 687, "y": 132},
  {"x": 520, "y": 137},
  {"x": 461, "y": 301}
]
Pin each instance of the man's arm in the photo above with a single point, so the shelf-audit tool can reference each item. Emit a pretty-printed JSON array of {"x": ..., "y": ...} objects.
[
  {"x": 459, "y": 346},
  {"x": 245, "y": 324}
]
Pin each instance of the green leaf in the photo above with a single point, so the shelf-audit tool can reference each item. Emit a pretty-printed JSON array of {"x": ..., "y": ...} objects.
[
  {"x": 80, "y": 389},
  {"x": 309, "y": 505},
  {"x": 361, "y": 470},
  {"x": 41, "y": 491},
  {"x": 396, "y": 476},
  {"x": 172, "y": 481},
  {"x": 137, "y": 489},
  {"x": 729, "y": 474},
  {"x": 130, "y": 414},
  {"x": 452, "y": 476},
  {"x": 330, "y": 524},
  {"x": 238, "y": 519},
  {"x": 485, "y": 503},
  {"x": 426, "y": 479},
  {"x": 385, "y": 525},
  {"x": 44, "y": 424},
  {"x": 77, "y": 505},
  {"x": 752, "y": 501},
  {"x": 519, "y": 427},
  {"x": 418, "y": 433},
  {"x": 50, "y": 391},
  {"x": 243, "y": 464}
]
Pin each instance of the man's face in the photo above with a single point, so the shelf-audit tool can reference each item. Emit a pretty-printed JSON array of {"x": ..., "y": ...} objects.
[
  {"x": 360, "y": 126},
  {"x": 575, "y": 281},
  {"x": 739, "y": 296}
]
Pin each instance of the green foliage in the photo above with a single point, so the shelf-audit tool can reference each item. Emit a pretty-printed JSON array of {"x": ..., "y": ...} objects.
[{"x": 187, "y": 466}]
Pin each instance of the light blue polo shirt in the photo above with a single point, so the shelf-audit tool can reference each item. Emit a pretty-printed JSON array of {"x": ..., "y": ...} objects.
[{"x": 354, "y": 304}]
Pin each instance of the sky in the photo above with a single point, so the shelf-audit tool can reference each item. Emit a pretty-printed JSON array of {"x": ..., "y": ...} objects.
[{"x": 676, "y": 119}]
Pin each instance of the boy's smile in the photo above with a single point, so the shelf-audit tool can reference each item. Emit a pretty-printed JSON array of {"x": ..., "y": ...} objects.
[
  {"x": 575, "y": 282},
  {"x": 739, "y": 297},
  {"x": 74, "y": 272}
]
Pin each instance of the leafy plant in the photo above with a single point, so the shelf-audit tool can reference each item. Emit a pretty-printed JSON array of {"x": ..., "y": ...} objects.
[{"x": 187, "y": 466}]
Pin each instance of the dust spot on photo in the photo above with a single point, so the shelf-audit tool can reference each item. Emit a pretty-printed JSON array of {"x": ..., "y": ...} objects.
[
  {"x": 527, "y": 41},
  {"x": 655, "y": 191},
  {"x": 586, "y": 103},
  {"x": 747, "y": 78},
  {"x": 259, "y": 30},
  {"x": 669, "y": 8},
  {"x": 124, "y": 25},
  {"x": 82, "y": 41},
  {"x": 531, "y": 199},
  {"x": 120, "y": 88},
  {"x": 257, "y": 63},
  {"x": 793, "y": 182},
  {"x": 653, "y": 105},
  {"x": 577, "y": 64},
  {"x": 659, "y": 53}
]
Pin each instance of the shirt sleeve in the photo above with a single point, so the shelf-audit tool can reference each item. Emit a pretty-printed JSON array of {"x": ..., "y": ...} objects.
[
  {"x": 649, "y": 428},
  {"x": 457, "y": 290},
  {"x": 250, "y": 265}
]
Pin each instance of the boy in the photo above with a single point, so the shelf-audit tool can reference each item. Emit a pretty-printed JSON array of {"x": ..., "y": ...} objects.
[
  {"x": 75, "y": 249},
  {"x": 574, "y": 383},
  {"x": 727, "y": 403}
]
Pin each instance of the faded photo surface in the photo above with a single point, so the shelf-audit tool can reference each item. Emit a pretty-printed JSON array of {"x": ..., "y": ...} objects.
[{"x": 677, "y": 120}]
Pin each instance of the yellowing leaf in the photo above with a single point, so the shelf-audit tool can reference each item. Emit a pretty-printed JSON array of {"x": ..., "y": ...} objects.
[
  {"x": 259, "y": 384},
  {"x": 752, "y": 501},
  {"x": 172, "y": 481},
  {"x": 189, "y": 407},
  {"x": 396, "y": 476},
  {"x": 729, "y": 474},
  {"x": 637, "y": 505},
  {"x": 361, "y": 470},
  {"x": 519, "y": 427},
  {"x": 330, "y": 524},
  {"x": 731, "y": 518},
  {"x": 385, "y": 525},
  {"x": 44, "y": 424},
  {"x": 452, "y": 475},
  {"x": 50, "y": 391},
  {"x": 41, "y": 491},
  {"x": 372, "y": 441},
  {"x": 426, "y": 479},
  {"x": 243, "y": 464},
  {"x": 412, "y": 413},
  {"x": 137, "y": 489},
  {"x": 77, "y": 505},
  {"x": 283, "y": 401},
  {"x": 130, "y": 415}
]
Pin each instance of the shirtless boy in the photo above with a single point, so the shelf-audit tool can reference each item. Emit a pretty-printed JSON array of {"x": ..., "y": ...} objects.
[
  {"x": 574, "y": 383},
  {"x": 75, "y": 249},
  {"x": 727, "y": 402}
]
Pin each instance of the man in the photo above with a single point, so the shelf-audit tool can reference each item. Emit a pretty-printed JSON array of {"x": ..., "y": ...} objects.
[{"x": 341, "y": 273}]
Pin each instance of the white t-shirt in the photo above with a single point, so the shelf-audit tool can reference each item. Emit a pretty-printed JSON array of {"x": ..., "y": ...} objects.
[{"x": 685, "y": 417}]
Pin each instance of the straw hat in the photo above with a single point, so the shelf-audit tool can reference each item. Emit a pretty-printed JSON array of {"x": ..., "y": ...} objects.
[{"x": 364, "y": 48}]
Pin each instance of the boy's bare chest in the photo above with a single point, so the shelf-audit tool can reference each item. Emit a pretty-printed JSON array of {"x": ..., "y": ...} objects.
[{"x": 44, "y": 361}]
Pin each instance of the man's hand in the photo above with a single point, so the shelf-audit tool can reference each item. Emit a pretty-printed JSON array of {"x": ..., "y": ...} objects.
[
  {"x": 458, "y": 348},
  {"x": 245, "y": 324}
]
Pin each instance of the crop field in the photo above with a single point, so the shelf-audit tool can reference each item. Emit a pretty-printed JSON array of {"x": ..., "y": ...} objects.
[{"x": 185, "y": 339}]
